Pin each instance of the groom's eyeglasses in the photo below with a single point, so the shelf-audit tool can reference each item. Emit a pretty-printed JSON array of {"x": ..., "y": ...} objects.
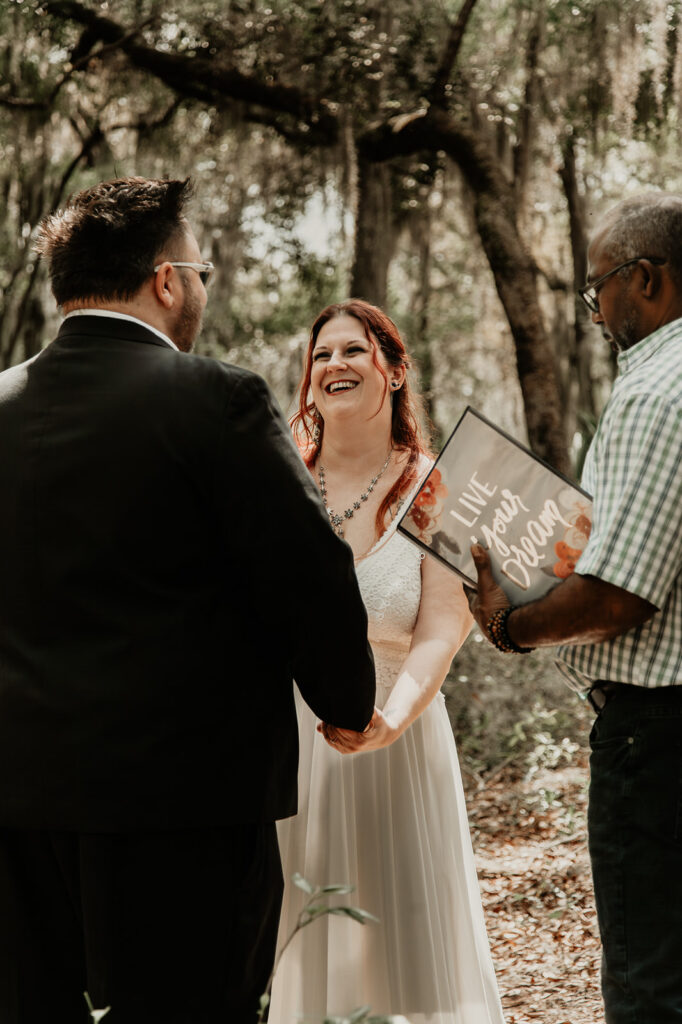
[{"x": 204, "y": 270}]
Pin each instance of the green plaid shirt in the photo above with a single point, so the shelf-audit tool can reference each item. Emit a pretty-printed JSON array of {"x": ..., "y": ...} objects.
[{"x": 634, "y": 471}]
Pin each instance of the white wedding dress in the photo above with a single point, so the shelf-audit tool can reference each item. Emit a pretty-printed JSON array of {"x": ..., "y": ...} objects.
[{"x": 393, "y": 823}]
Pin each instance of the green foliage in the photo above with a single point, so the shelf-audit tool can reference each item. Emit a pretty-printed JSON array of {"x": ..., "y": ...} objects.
[
  {"x": 542, "y": 729},
  {"x": 96, "y": 1015},
  {"x": 318, "y": 905},
  {"x": 362, "y": 1016},
  {"x": 508, "y": 709}
]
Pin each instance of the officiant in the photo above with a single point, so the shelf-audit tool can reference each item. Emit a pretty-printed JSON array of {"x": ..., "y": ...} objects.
[{"x": 618, "y": 617}]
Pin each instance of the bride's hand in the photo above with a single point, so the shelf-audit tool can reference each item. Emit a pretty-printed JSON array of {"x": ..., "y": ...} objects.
[{"x": 379, "y": 733}]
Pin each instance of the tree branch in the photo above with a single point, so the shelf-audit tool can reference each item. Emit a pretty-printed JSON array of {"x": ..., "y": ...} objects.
[
  {"x": 209, "y": 81},
  {"x": 437, "y": 92},
  {"x": 84, "y": 60},
  {"x": 96, "y": 135},
  {"x": 432, "y": 130},
  {"x": 522, "y": 150},
  {"x": 147, "y": 125},
  {"x": 20, "y": 102}
]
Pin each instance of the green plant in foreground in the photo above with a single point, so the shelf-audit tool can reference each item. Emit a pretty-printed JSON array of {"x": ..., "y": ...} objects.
[
  {"x": 317, "y": 905},
  {"x": 360, "y": 1016},
  {"x": 95, "y": 1014}
]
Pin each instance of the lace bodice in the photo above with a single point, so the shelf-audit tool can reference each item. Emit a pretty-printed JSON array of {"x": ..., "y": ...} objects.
[{"x": 390, "y": 584}]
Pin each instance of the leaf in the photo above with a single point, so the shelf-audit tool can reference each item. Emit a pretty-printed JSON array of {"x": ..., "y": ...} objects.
[
  {"x": 264, "y": 1001},
  {"x": 363, "y": 916},
  {"x": 318, "y": 910},
  {"x": 95, "y": 1014},
  {"x": 387, "y": 1020},
  {"x": 340, "y": 890},
  {"x": 359, "y": 1014},
  {"x": 302, "y": 883}
]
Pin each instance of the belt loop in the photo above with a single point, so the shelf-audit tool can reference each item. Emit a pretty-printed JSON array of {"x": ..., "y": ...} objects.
[
  {"x": 599, "y": 702},
  {"x": 601, "y": 693}
]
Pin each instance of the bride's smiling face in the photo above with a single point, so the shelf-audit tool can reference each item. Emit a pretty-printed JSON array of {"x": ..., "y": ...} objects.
[{"x": 345, "y": 380}]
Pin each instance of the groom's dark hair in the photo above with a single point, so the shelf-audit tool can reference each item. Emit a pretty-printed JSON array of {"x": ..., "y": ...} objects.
[{"x": 105, "y": 242}]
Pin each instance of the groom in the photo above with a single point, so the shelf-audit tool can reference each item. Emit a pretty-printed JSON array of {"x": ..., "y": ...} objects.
[{"x": 167, "y": 569}]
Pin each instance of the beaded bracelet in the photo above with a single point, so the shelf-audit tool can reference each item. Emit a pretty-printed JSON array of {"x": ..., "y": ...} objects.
[{"x": 497, "y": 631}]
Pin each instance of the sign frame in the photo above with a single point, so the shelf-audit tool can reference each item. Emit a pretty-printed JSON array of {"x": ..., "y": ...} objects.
[{"x": 492, "y": 503}]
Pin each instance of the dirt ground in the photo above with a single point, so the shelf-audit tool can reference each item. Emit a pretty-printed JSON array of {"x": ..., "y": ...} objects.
[{"x": 529, "y": 835}]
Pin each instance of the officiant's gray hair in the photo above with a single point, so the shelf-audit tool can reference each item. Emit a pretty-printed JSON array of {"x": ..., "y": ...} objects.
[{"x": 645, "y": 225}]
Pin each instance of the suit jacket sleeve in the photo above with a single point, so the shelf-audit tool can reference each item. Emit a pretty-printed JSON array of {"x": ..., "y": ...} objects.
[{"x": 299, "y": 575}]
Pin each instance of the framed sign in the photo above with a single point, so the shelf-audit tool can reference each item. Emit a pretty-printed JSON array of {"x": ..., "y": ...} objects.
[{"x": 486, "y": 488}]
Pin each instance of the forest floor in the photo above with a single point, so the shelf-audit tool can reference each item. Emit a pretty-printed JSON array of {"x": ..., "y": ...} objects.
[{"x": 529, "y": 834}]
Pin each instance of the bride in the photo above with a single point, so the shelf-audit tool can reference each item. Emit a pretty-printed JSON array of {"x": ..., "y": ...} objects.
[{"x": 383, "y": 810}]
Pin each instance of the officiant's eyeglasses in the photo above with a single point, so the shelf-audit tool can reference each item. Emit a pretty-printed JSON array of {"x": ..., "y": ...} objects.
[
  {"x": 590, "y": 293},
  {"x": 204, "y": 270}
]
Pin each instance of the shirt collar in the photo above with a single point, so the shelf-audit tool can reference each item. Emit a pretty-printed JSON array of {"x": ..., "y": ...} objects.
[
  {"x": 634, "y": 357},
  {"x": 122, "y": 316}
]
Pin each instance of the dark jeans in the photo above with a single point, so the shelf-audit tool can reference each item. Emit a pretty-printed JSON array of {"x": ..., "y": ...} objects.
[
  {"x": 635, "y": 829},
  {"x": 166, "y": 928}
]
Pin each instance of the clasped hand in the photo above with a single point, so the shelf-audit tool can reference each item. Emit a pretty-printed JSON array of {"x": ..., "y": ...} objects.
[{"x": 379, "y": 733}]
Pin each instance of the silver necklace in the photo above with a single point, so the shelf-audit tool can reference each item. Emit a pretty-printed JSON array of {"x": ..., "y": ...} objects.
[{"x": 334, "y": 519}]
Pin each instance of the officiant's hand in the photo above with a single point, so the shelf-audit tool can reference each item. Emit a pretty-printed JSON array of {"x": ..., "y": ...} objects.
[
  {"x": 379, "y": 733},
  {"x": 490, "y": 597}
]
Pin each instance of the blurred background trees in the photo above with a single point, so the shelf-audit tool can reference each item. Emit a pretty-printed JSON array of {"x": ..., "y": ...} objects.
[{"x": 444, "y": 159}]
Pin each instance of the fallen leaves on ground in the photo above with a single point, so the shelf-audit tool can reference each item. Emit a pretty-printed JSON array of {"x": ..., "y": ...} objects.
[{"x": 529, "y": 835}]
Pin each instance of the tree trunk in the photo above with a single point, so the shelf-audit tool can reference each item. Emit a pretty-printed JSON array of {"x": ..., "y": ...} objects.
[
  {"x": 580, "y": 382},
  {"x": 374, "y": 233},
  {"x": 515, "y": 282},
  {"x": 421, "y": 294},
  {"x": 524, "y": 147},
  {"x": 512, "y": 267}
]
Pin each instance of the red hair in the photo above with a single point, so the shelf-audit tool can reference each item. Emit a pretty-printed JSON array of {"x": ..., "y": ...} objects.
[{"x": 407, "y": 408}]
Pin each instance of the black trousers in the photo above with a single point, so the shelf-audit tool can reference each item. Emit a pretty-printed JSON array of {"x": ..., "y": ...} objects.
[
  {"x": 635, "y": 829},
  {"x": 174, "y": 928}
]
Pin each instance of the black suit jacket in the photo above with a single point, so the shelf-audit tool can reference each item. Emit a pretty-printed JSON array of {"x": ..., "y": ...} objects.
[{"x": 167, "y": 569}]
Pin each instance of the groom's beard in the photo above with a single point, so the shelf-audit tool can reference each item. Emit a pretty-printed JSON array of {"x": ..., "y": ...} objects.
[{"x": 188, "y": 324}]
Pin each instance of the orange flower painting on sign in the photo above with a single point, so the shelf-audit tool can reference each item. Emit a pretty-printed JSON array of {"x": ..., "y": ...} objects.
[
  {"x": 570, "y": 548},
  {"x": 427, "y": 507}
]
